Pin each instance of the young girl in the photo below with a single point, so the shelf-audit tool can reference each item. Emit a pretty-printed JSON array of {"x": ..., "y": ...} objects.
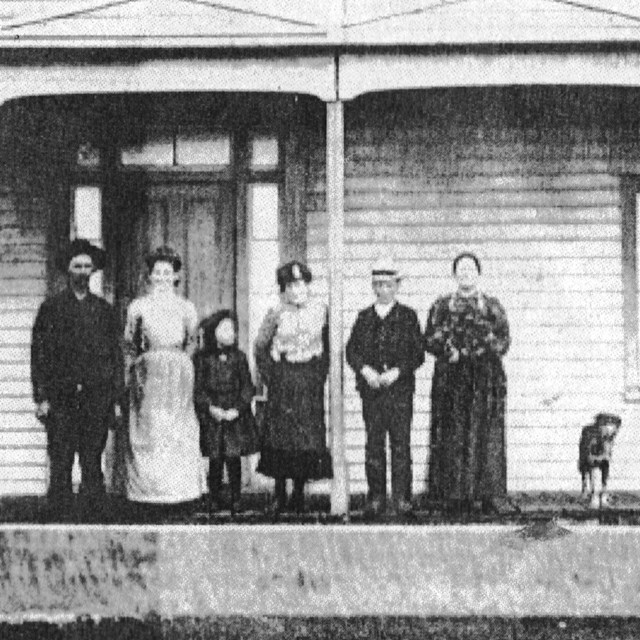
[{"x": 223, "y": 394}]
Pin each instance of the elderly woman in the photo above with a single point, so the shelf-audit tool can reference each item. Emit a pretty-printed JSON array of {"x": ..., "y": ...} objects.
[
  {"x": 291, "y": 353},
  {"x": 468, "y": 334},
  {"x": 163, "y": 461}
]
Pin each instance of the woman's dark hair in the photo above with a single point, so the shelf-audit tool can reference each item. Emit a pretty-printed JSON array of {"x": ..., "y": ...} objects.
[
  {"x": 462, "y": 256},
  {"x": 164, "y": 254},
  {"x": 291, "y": 272},
  {"x": 209, "y": 326}
]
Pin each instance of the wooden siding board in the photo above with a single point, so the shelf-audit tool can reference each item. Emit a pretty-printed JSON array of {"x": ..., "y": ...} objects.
[
  {"x": 475, "y": 215},
  {"x": 360, "y": 269},
  {"x": 23, "y": 287},
  {"x": 17, "y": 319},
  {"x": 23, "y": 439},
  {"x": 14, "y": 354},
  {"x": 22, "y": 487},
  {"x": 15, "y": 337},
  {"x": 524, "y": 185},
  {"x": 394, "y": 199},
  {"x": 485, "y": 233},
  {"x": 490, "y": 249},
  {"x": 20, "y": 421},
  {"x": 16, "y": 303}
]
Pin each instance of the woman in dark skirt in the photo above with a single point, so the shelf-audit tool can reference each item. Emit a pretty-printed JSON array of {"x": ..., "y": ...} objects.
[
  {"x": 291, "y": 353},
  {"x": 468, "y": 334}
]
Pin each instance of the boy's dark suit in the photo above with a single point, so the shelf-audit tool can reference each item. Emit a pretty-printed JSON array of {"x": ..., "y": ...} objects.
[{"x": 383, "y": 344}]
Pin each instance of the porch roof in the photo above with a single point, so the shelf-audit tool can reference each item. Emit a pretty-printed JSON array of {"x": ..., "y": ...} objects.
[{"x": 309, "y": 23}]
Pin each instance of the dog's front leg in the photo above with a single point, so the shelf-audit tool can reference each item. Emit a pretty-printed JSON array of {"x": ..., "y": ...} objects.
[
  {"x": 585, "y": 485},
  {"x": 594, "y": 502},
  {"x": 604, "y": 475}
]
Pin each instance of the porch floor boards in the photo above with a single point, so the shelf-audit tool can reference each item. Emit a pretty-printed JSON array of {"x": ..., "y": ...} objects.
[{"x": 522, "y": 508}]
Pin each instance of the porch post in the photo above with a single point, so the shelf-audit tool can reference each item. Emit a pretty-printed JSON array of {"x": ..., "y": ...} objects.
[{"x": 335, "y": 210}]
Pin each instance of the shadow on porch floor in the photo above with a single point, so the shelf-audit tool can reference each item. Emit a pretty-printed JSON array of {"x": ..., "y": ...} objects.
[{"x": 521, "y": 508}]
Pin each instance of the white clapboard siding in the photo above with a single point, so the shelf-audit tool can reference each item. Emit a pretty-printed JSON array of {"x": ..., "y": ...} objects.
[
  {"x": 541, "y": 209},
  {"x": 23, "y": 285}
]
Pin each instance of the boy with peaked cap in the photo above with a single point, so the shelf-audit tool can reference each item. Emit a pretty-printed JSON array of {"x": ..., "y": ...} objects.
[
  {"x": 384, "y": 350},
  {"x": 77, "y": 377}
]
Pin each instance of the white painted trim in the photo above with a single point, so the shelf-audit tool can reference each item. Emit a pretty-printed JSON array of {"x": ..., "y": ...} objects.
[
  {"x": 308, "y": 75},
  {"x": 335, "y": 209},
  {"x": 368, "y": 72}
]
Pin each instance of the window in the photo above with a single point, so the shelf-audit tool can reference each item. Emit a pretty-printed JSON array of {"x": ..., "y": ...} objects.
[
  {"x": 264, "y": 153},
  {"x": 158, "y": 152},
  {"x": 203, "y": 149},
  {"x": 86, "y": 222},
  {"x": 263, "y": 207},
  {"x": 182, "y": 150},
  {"x": 264, "y": 252}
]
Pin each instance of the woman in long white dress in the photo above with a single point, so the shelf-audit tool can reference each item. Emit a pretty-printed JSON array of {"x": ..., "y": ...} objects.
[{"x": 163, "y": 461}]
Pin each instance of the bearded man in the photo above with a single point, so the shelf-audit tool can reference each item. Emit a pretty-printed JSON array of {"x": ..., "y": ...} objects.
[{"x": 76, "y": 372}]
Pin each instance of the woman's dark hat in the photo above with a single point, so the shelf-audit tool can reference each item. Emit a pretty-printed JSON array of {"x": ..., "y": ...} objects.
[
  {"x": 292, "y": 272},
  {"x": 79, "y": 247},
  {"x": 164, "y": 254}
]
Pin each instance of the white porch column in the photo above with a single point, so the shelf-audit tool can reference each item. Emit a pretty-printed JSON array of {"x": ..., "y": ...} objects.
[{"x": 335, "y": 209}]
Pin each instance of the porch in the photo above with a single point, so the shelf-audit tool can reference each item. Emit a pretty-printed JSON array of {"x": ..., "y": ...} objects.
[{"x": 539, "y": 180}]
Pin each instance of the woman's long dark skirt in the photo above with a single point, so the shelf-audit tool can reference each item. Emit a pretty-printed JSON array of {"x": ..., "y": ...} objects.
[
  {"x": 467, "y": 452},
  {"x": 294, "y": 433}
]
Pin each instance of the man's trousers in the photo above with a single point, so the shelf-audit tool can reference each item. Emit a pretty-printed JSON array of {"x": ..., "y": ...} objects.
[
  {"x": 385, "y": 412},
  {"x": 78, "y": 422}
]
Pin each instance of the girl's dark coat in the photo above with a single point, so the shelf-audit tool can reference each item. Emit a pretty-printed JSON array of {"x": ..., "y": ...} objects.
[{"x": 223, "y": 380}]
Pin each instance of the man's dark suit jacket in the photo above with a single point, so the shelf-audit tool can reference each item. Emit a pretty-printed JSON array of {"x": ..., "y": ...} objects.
[
  {"x": 75, "y": 342},
  {"x": 385, "y": 343}
]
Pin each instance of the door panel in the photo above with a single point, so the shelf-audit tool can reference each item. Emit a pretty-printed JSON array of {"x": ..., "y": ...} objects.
[
  {"x": 210, "y": 247},
  {"x": 197, "y": 220}
]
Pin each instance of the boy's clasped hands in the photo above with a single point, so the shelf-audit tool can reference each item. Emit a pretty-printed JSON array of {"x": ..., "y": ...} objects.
[{"x": 376, "y": 380}]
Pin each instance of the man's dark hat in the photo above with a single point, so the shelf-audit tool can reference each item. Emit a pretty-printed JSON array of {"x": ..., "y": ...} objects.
[
  {"x": 292, "y": 272},
  {"x": 164, "y": 254},
  {"x": 79, "y": 247}
]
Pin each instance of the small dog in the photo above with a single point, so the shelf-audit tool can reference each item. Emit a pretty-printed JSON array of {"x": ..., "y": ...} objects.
[{"x": 596, "y": 445}]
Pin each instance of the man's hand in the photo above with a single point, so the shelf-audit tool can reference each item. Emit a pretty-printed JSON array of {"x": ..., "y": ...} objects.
[
  {"x": 389, "y": 377},
  {"x": 454, "y": 355},
  {"x": 42, "y": 410},
  {"x": 371, "y": 376},
  {"x": 117, "y": 410}
]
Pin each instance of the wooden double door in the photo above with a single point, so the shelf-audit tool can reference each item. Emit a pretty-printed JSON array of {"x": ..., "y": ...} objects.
[{"x": 195, "y": 217}]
